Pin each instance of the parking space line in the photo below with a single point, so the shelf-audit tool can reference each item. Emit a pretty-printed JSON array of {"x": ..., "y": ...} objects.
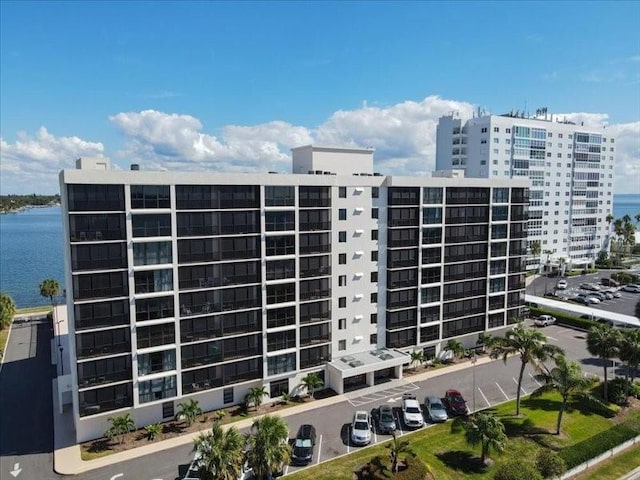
[
  {"x": 483, "y": 396},
  {"x": 534, "y": 379},
  {"x": 552, "y": 338},
  {"x": 319, "y": 449},
  {"x": 516, "y": 382},
  {"x": 500, "y": 388},
  {"x": 348, "y": 439}
]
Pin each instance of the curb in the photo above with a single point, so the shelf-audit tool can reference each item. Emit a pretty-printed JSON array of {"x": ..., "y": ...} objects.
[{"x": 4, "y": 347}]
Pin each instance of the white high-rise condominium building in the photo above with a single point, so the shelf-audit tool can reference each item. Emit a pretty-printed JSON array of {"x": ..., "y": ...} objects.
[
  {"x": 570, "y": 168},
  {"x": 203, "y": 285}
]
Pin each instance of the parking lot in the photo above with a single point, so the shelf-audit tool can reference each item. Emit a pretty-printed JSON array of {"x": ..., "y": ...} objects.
[
  {"x": 626, "y": 304},
  {"x": 482, "y": 386}
]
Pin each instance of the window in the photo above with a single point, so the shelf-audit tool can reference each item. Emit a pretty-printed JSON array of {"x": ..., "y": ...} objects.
[
  {"x": 374, "y": 318},
  {"x": 373, "y": 338},
  {"x": 342, "y": 280},
  {"x": 374, "y": 256},
  {"x": 374, "y": 297},
  {"x": 342, "y": 302},
  {"x": 342, "y": 258},
  {"x": 496, "y": 140},
  {"x": 374, "y": 213},
  {"x": 279, "y": 196},
  {"x": 342, "y": 214},
  {"x": 342, "y": 237},
  {"x": 374, "y": 234},
  {"x": 342, "y": 324},
  {"x": 375, "y": 192},
  {"x": 342, "y": 345},
  {"x": 227, "y": 395},
  {"x": 342, "y": 192},
  {"x": 279, "y": 388},
  {"x": 374, "y": 277},
  {"x": 496, "y": 129},
  {"x": 508, "y": 130}
]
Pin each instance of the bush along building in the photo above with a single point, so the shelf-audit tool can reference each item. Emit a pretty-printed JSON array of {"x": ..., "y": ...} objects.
[{"x": 204, "y": 285}]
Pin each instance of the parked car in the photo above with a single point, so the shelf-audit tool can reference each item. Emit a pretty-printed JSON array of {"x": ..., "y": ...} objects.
[
  {"x": 435, "y": 409},
  {"x": 544, "y": 320},
  {"x": 581, "y": 300},
  {"x": 361, "y": 428},
  {"x": 305, "y": 441},
  {"x": 599, "y": 295},
  {"x": 608, "y": 295},
  {"x": 385, "y": 420},
  {"x": 631, "y": 288},
  {"x": 562, "y": 284},
  {"x": 192, "y": 472},
  {"x": 411, "y": 411},
  {"x": 589, "y": 298},
  {"x": 590, "y": 286},
  {"x": 610, "y": 282},
  {"x": 455, "y": 403},
  {"x": 615, "y": 293}
]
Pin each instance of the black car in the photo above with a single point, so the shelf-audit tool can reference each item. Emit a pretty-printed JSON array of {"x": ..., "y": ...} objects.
[{"x": 303, "y": 446}]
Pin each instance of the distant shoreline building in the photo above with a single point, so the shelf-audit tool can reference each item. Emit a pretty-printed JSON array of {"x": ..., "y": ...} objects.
[
  {"x": 203, "y": 285},
  {"x": 570, "y": 167}
]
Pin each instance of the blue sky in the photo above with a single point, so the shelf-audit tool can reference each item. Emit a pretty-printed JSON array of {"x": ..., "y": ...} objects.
[{"x": 233, "y": 85}]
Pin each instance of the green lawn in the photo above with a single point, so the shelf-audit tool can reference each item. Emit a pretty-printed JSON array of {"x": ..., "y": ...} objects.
[
  {"x": 613, "y": 468},
  {"x": 43, "y": 309},
  {"x": 444, "y": 449}
]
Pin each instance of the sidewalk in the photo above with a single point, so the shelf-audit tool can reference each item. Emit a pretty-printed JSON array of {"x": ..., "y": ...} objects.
[{"x": 66, "y": 454}]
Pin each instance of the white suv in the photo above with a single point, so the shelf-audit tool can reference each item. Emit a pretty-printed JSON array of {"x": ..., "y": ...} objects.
[
  {"x": 411, "y": 411},
  {"x": 361, "y": 428}
]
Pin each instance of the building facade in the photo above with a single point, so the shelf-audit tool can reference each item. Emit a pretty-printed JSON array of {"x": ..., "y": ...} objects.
[
  {"x": 203, "y": 285},
  {"x": 570, "y": 168}
]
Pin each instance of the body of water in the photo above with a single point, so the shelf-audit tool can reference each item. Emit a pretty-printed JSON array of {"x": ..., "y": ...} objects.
[
  {"x": 30, "y": 251},
  {"x": 31, "y": 248},
  {"x": 626, "y": 205}
]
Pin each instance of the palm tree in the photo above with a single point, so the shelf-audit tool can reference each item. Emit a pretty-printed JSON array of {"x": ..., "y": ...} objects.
[
  {"x": 120, "y": 426},
  {"x": 532, "y": 347},
  {"x": 484, "y": 340},
  {"x": 454, "y": 346},
  {"x": 188, "y": 411},
  {"x": 311, "y": 382},
  {"x": 268, "y": 444},
  {"x": 618, "y": 228},
  {"x": 536, "y": 249},
  {"x": 569, "y": 380},
  {"x": 562, "y": 262},
  {"x": 602, "y": 341},
  {"x": 221, "y": 453},
  {"x": 629, "y": 353},
  {"x": 50, "y": 288},
  {"x": 488, "y": 431},
  {"x": 255, "y": 396},
  {"x": 396, "y": 448},
  {"x": 7, "y": 311},
  {"x": 417, "y": 357}
]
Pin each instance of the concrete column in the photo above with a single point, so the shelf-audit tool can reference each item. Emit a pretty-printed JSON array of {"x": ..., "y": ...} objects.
[
  {"x": 371, "y": 380},
  {"x": 397, "y": 371}
]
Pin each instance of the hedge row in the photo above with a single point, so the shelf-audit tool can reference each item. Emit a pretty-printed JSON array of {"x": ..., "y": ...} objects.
[
  {"x": 565, "y": 318},
  {"x": 598, "y": 444}
]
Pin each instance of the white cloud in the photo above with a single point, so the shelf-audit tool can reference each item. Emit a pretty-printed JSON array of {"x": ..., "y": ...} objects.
[
  {"x": 403, "y": 136},
  {"x": 31, "y": 164}
]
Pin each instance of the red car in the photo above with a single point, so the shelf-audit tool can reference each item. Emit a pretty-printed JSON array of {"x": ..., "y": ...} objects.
[{"x": 455, "y": 403}]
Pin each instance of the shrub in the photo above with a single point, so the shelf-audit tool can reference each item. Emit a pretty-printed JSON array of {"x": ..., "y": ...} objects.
[
  {"x": 580, "y": 452},
  {"x": 549, "y": 463},
  {"x": 565, "y": 319},
  {"x": 617, "y": 390},
  {"x": 416, "y": 469},
  {"x": 153, "y": 430},
  {"x": 517, "y": 470}
]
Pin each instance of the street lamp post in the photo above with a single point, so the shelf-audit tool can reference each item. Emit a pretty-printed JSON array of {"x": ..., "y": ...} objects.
[
  {"x": 473, "y": 396},
  {"x": 61, "y": 361}
]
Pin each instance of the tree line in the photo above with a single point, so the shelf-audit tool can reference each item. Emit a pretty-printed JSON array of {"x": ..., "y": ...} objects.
[{"x": 11, "y": 203}]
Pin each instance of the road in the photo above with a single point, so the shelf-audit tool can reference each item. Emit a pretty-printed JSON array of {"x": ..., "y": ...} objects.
[
  {"x": 25, "y": 407},
  {"x": 26, "y": 423}
]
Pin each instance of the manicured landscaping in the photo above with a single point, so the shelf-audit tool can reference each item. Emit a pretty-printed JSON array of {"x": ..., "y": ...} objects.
[
  {"x": 613, "y": 468},
  {"x": 444, "y": 449}
]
